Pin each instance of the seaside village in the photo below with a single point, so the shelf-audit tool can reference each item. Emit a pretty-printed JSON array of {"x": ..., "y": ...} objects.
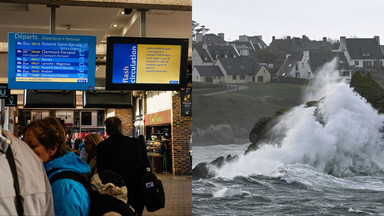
[{"x": 290, "y": 59}]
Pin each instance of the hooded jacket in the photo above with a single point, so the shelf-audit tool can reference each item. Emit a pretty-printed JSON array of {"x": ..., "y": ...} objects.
[
  {"x": 33, "y": 181},
  {"x": 69, "y": 196}
]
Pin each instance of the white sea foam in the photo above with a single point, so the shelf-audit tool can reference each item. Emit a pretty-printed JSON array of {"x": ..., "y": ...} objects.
[{"x": 346, "y": 141}]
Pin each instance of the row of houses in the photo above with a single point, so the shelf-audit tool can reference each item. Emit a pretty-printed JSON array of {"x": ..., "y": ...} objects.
[
  {"x": 351, "y": 54},
  {"x": 218, "y": 61}
]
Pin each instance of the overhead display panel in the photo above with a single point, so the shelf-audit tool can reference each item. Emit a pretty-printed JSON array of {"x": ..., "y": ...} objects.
[
  {"x": 47, "y": 61},
  {"x": 146, "y": 63}
]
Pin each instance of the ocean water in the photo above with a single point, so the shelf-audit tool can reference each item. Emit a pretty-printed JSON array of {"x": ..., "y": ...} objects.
[{"x": 330, "y": 161}]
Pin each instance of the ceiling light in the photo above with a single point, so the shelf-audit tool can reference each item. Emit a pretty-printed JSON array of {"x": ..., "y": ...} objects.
[
  {"x": 114, "y": 25},
  {"x": 122, "y": 12}
]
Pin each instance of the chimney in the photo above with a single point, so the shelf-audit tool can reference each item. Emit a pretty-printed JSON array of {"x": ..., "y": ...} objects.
[
  {"x": 205, "y": 46},
  {"x": 289, "y": 37},
  {"x": 273, "y": 38},
  {"x": 243, "y": 38},
  {"x": 306, "y": 56},
  {"x": 324, "y": 39},
  {"x": 199, "y": 37},
  {"x": 221, "y": 35},
  {"x": 343, "y": 43},
  {"x": 304, "y": 37},
  {"x": 377, "y": 39}
]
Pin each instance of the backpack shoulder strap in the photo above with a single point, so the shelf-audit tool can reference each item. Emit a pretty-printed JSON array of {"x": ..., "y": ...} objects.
[
  {"x": 12, "y": 165},
  {"x": 70, "y": 175}
]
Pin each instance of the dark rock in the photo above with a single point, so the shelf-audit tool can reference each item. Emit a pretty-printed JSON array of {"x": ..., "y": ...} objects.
[
  {"x": 202, "y": 171},
  {"x": 206, "y": 170}
]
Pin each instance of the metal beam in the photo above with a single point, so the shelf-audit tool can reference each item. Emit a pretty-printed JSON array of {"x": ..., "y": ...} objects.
[{"x": 177, "y": 5}]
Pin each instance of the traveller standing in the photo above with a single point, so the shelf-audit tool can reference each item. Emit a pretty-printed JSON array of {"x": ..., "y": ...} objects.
[
  {"x": 32, "y": 179},
  {"x": 120, "y": 153},
  {"x": 46, "y": 137},
  {"x": 90, "y": 143},
  {"x": 163, "y": 151}
]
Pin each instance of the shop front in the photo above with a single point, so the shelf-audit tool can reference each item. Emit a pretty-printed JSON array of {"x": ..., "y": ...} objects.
[{"x": 158, "y": 131}]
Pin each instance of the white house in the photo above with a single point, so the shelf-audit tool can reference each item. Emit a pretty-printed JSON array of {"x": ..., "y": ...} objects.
[
  {"x": 362, "y": 52},
  {"x": 243, "y": 69}
]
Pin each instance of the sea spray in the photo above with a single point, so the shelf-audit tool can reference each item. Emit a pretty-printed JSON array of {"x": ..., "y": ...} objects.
[{"x": 347, "y": 142}]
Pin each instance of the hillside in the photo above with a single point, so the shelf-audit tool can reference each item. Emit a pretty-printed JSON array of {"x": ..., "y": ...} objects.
[{"x": 227, "y": 118}]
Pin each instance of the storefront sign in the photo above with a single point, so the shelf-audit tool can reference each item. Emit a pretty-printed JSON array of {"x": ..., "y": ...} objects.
[
  {"x": 11, "y": 101},
  {"x": 158, "y": 118},
  {"x": 4, "y": 91},
  {"x": 186, "y": 102}
]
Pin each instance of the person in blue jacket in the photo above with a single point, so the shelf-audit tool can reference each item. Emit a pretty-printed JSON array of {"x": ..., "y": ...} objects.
[{"x": 46, "y": 137}]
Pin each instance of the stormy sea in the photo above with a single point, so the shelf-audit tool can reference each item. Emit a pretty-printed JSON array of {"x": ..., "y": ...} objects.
[{"x": 327, "y": 160}]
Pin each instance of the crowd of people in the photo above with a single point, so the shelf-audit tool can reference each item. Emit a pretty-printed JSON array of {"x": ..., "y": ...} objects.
[{"x": 51, "y": 153}]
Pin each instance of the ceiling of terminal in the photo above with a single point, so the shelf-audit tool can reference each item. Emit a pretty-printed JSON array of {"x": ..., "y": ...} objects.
[
  {"x": 98, "y": 21},
  {"x": 89, "y": 20}
]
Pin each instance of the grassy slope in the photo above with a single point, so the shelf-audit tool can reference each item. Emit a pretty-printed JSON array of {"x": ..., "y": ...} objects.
[{"x": 240, "y": 108}]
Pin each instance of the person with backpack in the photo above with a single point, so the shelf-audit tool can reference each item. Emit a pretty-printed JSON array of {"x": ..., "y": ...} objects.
[
  {"x": 24, "y": 186},
  {"x": 120, "y": 154},
  {"x": 46, "y": 137}
]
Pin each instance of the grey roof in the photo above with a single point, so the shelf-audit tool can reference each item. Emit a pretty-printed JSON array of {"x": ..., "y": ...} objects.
[
  {"x": 282, "y": 44},
  {"x": 335, "y": 46},
  {"x": 222, "y": 51},
  {"x": 209, "y": 71},
  {"x": 240, "y": 65},
  {"x": 213, "y": 40},
  {"x": 364, "y": 48},
  {"x": 256, "y": 40},
  {"x": 318, "y": 58},
  {"x": 289, "y": 63},
  {"x": 203, "y": 53},
  {"x": 310, "y": 45},
  {"x": 252, "y": 48}
]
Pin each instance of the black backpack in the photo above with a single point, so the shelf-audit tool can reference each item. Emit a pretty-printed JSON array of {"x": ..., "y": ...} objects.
[
  {"x": 100, "y": 203},
  {"x": 154, "y": 196}
]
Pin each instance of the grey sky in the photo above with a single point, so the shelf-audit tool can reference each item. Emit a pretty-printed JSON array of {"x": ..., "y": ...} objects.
[{"x": 313, "y": 18}]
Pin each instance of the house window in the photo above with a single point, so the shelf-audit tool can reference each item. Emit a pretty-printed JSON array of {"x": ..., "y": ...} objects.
[
  {"x": 234, "y": 77},
  {"x": 309, "y": 74},
  {"x": 242, "y": 77},
  {"x": 297, "y": 75},
  {"x": 229, "y": 67},
  {"x": 356, "y": 62},
  {"x": 367, "y": 63},
  {"x": 366, "y": 54},
  {"x": 297, "y": 67},
  {"x": 260, "y": 79}
]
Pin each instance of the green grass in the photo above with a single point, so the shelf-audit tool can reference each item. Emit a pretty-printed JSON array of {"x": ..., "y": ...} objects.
[{"x": 242, "y": 108}]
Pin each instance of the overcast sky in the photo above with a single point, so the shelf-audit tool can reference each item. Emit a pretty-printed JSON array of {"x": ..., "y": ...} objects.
[{"x": 313, "y": 18}]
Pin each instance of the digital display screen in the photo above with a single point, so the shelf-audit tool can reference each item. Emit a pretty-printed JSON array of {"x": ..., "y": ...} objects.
[
  {"x": 44, "y": 61},
  {"x": 146, "y": 63}
]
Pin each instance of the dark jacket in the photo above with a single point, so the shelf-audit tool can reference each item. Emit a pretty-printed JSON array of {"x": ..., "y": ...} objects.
[{"x": 120, "y": 154}]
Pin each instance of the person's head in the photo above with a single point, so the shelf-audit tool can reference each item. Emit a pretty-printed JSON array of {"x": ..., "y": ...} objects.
[
  {"x": 90, "y": 142},
  {"x": 113, "y": 126},
  {"x": 46, "y": 137}
]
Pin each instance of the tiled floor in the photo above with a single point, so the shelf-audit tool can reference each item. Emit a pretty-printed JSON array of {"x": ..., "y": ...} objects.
[{"x": 178, "y": 196}]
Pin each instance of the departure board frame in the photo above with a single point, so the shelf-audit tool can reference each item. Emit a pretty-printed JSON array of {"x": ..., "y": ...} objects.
[
  {"x": 51, "y": 61},
  {"x": 174, "y": 50}
]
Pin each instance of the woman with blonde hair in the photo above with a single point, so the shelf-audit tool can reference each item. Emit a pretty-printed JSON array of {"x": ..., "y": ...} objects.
[{"x": 90, "y": 143}]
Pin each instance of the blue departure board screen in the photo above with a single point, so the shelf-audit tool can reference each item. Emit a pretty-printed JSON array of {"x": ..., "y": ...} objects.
[{"x": 46, "y": 61}]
